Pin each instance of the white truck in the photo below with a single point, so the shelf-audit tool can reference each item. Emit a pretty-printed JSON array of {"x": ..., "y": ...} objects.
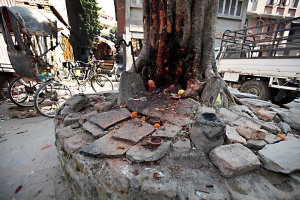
[{"x": 263, "y": 60}]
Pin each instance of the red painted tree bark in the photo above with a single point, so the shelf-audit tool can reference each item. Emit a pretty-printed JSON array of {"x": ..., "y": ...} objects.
[{"x": 179, "y": 48}]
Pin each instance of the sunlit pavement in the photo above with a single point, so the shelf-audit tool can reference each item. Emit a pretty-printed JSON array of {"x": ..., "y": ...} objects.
[{"x": 29, "y": 167}]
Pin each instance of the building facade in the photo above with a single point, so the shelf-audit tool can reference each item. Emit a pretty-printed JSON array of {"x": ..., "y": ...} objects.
[{"x": 261, "y": 12}]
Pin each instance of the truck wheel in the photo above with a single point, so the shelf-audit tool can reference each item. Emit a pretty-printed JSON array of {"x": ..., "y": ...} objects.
[
  {"x": 288, "y": 97},
  {"x": 258, "y": 88},
  {"x": 284, "y": 100}
]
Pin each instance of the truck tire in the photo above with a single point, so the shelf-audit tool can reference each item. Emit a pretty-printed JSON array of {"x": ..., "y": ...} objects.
[
  {"x": 256, "y": 87},
  {"x": 284, "y": 100},
  {"x": 288, "y": 97}
]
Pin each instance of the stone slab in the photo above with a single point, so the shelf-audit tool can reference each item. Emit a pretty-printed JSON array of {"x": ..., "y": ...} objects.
[
  {"x": 177, "y": 119},
  {"x": 163, "y": 107},
  {"x": 103, "y": 106},
  {"x": 133, "y": 131},
  {"x": 256, "y": 144},
  {"x": 257, "y": 103},
  {"x": 268, "y": 126},
  {"x": 281, "y": 157},
  {"x": 250, "y": 130},
  {"x": 130, "y": 85},
  {"x": 182, "y": 146},
  {"x": 78, "y": 102},
  {"x": 92, "y": 128},
  {"x": 106, "y": 147},
  {"x": 107, "y": 119},
  {"x": 166, "y": 190},
  {"x": 73, "y": 143},
  {"x": 139, "y": 153},
  {"x": 271, "y": 138},
  {"x": 167, "y": 131},
  {"x": 234, "y": 159},
  {"x": 233, "y": 136},
  {"x": 239, "y": 94},
  {"x": 187, "y": 106},
  {"x": 227, "y": 115},
  {"x": 71, "y": 119}
]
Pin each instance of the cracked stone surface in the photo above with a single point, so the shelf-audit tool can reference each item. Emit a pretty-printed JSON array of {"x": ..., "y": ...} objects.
[
  {"x": 110, "y": 167},
  {"x": 167, "y": 131},
  {"x": 107, "y": 119},
  {"x": 139, "y": 153},
  {"x": 92, "y": 128},
  {"x": 234, "y": 159},
  {"x": 133, "y": 131},
  {"x": 106, "y": 146},
  {"x": 282, "y": 157}
]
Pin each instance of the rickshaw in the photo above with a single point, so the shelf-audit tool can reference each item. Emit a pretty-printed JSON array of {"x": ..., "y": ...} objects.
[{"x": 31, "y": 37}]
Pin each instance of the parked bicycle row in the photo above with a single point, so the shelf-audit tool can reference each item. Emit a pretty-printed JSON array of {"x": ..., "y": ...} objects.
[{"x": 55, "y": 87}]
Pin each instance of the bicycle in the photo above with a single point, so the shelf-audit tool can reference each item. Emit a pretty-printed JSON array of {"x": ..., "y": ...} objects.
[
  {"x": 84, "y": 73},
  {"x": 55, "y": 92},
  {"x": 21, "y": 91},
  {"x": 50, "y": 96}
]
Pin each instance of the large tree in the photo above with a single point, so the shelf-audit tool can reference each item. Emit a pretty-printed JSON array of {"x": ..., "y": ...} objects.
[
  {"x": 90, "y": 26},
  {"x": 179, "y": 48}
]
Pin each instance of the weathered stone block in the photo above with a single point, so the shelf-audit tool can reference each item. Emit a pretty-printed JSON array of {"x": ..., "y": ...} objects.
[
  {"x": 281, "y": 157},
  {"x": 71, "y": 119},
  {"x": 182, "y": 146},
  {"x": 106, "y": 147},
  {"x": 107, "y": 119},
  {"x": 167, "y": 131},
  {"x": 249, "y": 130},
  {"x": 256, "y": 144},
  {"x": 139, "y": 153},
  {"x": 95, "y": 130},
  {"x": 133, "y": 131},
  {"x": 233, "y": 136},
  {"x": 207, "y": 132},
  {"x": 130, "y": 85},
  {"x": 234, "y": 159},
  {"x": 78, "y": 102}
]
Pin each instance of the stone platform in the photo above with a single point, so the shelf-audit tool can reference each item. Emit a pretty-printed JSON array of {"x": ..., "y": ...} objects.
[{"x": 105, "y": 153}]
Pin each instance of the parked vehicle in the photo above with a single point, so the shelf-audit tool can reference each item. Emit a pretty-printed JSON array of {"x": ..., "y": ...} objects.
[{"x": 263, "y": 60}]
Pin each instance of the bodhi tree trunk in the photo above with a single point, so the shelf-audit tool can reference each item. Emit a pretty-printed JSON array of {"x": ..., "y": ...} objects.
[{"x": 179, "y": 48}]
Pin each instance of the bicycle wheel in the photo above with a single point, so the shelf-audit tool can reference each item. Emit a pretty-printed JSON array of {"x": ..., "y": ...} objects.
[
  {"x": 54, "y": 94},
  {"x": 21, "y": 92},
  {"x": 101, "y": 83}
]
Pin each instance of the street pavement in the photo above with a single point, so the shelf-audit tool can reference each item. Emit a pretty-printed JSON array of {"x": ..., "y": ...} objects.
[{"x": 29, "y": 166}]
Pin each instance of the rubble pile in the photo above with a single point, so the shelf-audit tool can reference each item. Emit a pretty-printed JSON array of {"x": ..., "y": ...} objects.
[{"x": 156, "y": 146}]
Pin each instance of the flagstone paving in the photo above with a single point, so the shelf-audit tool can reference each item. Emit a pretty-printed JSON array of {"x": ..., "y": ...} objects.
[
  {"x": 106, "y": 146},
  {"x": 107, "y": 119},
  {"x": 133, "y": 131}
]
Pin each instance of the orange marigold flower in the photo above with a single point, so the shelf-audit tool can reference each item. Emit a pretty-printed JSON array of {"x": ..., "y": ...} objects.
[
  {"x": 156, "y": 125},
  {"x": 133, "y": 115},
  {"x": 281, "y": 136},
  {"x": 143, "y": 118}
]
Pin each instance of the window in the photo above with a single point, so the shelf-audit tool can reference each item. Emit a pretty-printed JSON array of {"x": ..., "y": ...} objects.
[
  {"x": 282, "y": 3},
  {"x": 270, "y": 29},
  {"x": 281, "y": 28},
  {"x": 137, "y": 2},
  {"x": 294, "y": 3},
  {"x": 231, "y": 7},
  {"x": 270, "y": 2},
  {"x": 137, "y": 45},
  {"x": 259, "y": 29}
]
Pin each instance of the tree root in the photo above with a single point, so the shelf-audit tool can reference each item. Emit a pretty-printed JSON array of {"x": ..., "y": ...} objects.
[{"x": 216, "y": 93}]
